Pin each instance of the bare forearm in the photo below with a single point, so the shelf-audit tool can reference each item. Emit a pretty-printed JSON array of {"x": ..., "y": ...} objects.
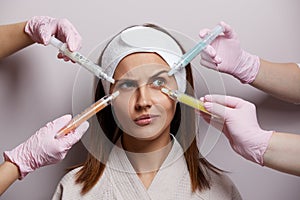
[
  {"x": 281, "y": 80},
  {"x": 8, "y": 175},
  {"x": 13, "y": 38},
  {"x": 283, "y": 153}
]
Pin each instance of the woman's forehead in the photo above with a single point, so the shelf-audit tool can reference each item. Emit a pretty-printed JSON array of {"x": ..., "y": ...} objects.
[
  {"x": 145, "y": 73},
  {"x": 140, "y": 64}
]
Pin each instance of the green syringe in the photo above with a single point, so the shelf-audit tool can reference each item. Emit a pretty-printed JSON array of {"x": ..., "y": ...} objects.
[{"x": 191, "y": 54}]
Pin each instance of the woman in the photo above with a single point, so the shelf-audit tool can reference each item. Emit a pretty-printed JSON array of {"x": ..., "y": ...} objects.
[{"x": 151, "y": 151}]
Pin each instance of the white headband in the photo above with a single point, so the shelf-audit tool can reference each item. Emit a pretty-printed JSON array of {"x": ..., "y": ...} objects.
[{"x": 142, "y": 39}]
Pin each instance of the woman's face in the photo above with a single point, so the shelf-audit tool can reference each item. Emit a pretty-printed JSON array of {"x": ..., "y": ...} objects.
[{"x": 142, "y": 110}]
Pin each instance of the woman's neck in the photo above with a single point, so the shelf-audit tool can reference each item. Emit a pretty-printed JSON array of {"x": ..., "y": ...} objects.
[
  {"x": 138, "y": 145},
  {"x": 147, "y": 155}
]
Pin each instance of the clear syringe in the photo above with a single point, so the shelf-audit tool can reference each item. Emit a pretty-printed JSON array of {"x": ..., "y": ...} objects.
[
  {"x": 87, "y": 114},
  {"x": 81, "y": 60},
  {"x": 186, "y": 99},
  {"x": 191, "y": 54}
]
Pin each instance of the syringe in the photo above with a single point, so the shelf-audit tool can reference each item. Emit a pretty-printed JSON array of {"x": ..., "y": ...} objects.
[
  {"x": 81, "y": 60},
  {"x": 186, "y": 99},
  {"x": 87, "y": 114},
  {"x": 191, "y": 54}
]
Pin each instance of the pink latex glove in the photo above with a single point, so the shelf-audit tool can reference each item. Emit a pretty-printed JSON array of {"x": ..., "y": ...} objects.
[
  {"x": 226, "y": 55},
  {"x": 41, "y": 28},
  {"x": 42, "y": 148},
  {"x": 240, "y": 125}
]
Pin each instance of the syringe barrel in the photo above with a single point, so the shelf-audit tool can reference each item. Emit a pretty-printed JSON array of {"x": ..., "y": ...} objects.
[
  {"x": 192, "y": 53},
  {"x": 56, "y": 43},
  {"x": 213, "y": 34},
  {"x": 87, "y": 114},
  {"x": 80, "y": 59}
]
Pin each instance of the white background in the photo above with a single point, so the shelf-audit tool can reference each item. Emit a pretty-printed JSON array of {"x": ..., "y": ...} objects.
[{"x": 35, "y": 87}]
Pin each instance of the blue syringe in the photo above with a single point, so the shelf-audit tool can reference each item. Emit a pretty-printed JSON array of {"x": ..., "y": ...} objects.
[
  {"x": 81, "y": 60},
  {"x": 191, "y": 54}
]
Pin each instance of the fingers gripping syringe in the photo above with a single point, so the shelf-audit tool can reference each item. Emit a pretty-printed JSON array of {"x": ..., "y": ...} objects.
[
  {"x": 191, "y": 54},
  {"x": 186, "y": 99},
  {"x": 81, "y": 60},
  {"x": 87, "y": 114}
]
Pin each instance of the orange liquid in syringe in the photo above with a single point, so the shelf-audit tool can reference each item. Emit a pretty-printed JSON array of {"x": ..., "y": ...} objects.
[{"x": 84, "y": 116}]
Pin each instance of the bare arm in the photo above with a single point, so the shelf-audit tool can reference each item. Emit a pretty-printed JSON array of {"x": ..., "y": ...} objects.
[
  {"x": 9, "y": 173},
  {"x": 13, "y": 38},
  {"x": 283, "y": 153},
  {"x": 281, "y": 80}
]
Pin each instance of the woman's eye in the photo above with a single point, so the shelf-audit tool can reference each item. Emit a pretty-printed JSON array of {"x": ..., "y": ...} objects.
[
  {"x": 158, "y": 82},
  {"x": 126, "y": 85}
]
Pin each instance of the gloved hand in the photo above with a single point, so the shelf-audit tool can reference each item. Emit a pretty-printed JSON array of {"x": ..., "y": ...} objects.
[
  {"x": 41, "y": 28},
  {"x": 42, "y": 148},
  {"x": 240, "y": 125},
  {"x": 226, "y": 55}
]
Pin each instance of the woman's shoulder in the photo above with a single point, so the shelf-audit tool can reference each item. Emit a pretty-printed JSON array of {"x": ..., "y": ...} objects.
[
  {"x": 67, "y": 187},
  {"x": 219, "y": 177},
  {"x": 70, "y": 176},
  {"x": 222, "y": 185},
  {"x": 69, "y": 180}
]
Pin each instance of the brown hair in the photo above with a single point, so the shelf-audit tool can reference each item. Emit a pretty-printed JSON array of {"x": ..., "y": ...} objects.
[{"x": 184, "y": 130}]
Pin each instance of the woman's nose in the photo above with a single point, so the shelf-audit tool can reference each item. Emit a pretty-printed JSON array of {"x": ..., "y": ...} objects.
[{"x": 143, "y": 99}]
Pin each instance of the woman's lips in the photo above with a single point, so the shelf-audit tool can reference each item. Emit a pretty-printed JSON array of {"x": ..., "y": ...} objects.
[{"x": 144, "y": 120}]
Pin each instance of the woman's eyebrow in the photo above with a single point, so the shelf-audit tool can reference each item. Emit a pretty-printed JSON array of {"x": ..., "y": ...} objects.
[
  {"x": 155, "y": 75},
  {"x": 123, "y": 80},
  {"x": 158, "y": 73}
]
